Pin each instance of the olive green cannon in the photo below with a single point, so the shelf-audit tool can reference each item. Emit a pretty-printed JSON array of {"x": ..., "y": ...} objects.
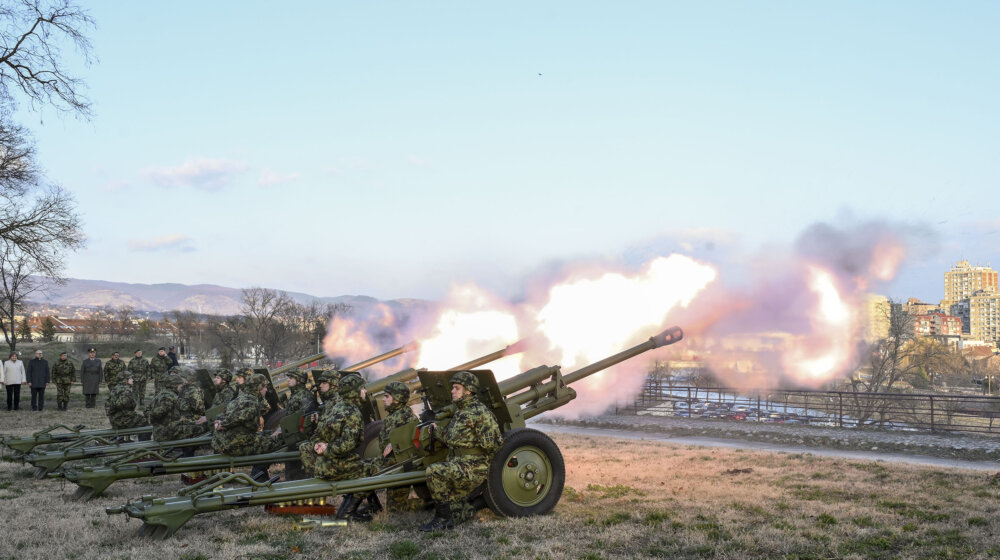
[
  {"x": 94, "y": 446},
  {"x": 62, "y": 434},
  {"x": 140, "y": 463},
  {"x": 526, "y": 476}
]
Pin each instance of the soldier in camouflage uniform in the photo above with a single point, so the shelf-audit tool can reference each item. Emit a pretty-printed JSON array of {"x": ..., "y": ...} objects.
[
  {"x": 165, "y": 414},
  {"x": 238, "y": 429},
  {"x": 472, "y": 436},
  {"x": 326, "y": 389},
  {"x": 63, "y": 374},
  {"x": 331, "y": 454},
  {"x": 300, "y": 398},
  {"x": 159, "y": 368},
  {"x": 224, "y": 392},
  {"x": 396, "y": 399},
  {"x": 139, "y": 367},
  {"x": 120, "y": 406},
  {"x": 191, "y": 399},
  {"x": 112, "y": 370}
]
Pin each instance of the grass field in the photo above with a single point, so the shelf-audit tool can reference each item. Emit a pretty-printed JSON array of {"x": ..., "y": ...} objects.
[{"x": 624, "y": 499}]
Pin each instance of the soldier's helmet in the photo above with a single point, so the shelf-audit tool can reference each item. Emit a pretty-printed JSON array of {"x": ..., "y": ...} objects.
[
  {"x": 327, "y": 375},
  {"x": 398, "y": 391},
  {"x": 174, "y": 369},
  {"x": 299, "y": 375},
  {"x": 173, "y": 380},
  {"x": 256, "y": 381},
  {"x": 350, "y": 385},
  {"x": 467, "y": 380},
  {"x": 224, "y": 374}
]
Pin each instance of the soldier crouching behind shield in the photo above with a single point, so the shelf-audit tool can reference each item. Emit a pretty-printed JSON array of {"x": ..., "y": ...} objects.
[
  {"x": 331, "y": 453},
  {"x": 120, "y": 405},
  {"x": 165, "y": 415},
  {"x": 396, "y": 400},
  {"x": 472, "y": 436},
  {"x": 238, "y": 429}
]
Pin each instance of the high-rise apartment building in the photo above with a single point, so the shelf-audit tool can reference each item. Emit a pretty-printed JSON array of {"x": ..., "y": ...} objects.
[
  {"x": 984, "y": 316},
  {"x": 964, "y": 280},
  {"x": 878, "y": 311}
]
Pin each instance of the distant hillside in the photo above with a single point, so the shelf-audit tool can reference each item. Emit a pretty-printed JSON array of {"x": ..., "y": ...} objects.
[{"x": 201, "y": 298}]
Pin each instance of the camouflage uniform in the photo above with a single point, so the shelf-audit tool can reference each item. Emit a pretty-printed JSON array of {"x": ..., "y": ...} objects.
[
  {"x": 191, "y": 401},
  {"x": 329, "y": 398},
  {"x": 120, "y": 407},
  {"x": 140, "y": 370},
  {"x": 158, "y": 368},
  {"x": 399, "y": 414},
  {"x": 63, "y": 374},
  {"x": 165, "y": 415},
  {"x": 472, "y": 436},
  {"x": 300, "y": 398},
  {"x": 341, "y": 428},
  {"x": 239, "y": 431},
  {"x": 112, "y": 372},
  {"x": 226, "y": 392}
]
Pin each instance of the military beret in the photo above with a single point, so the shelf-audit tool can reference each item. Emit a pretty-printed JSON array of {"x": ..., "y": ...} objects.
[
  {"x": 63, "y": 353},
  {"x": 137, "y": 350}
]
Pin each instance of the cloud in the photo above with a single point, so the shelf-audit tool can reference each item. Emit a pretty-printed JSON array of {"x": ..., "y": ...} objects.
[
  {"x": 175, "y": 242},
  {"x": 208, "y": 174},
  {"x": 270, "y": 178}
]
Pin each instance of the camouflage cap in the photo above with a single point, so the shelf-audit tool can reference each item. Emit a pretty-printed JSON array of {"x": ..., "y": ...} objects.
[
  {"x": 327, "y": 375},
  {"x": 256, "y": 381},
  {"x": 224, "y": 374},
  {"x": 298, "y": 374},
  {"x": 466, "y": 379},
  {"x": 173, "y": 380},
  {"x": 350, "y": 384},
  {"x": 398, "y": 391}
]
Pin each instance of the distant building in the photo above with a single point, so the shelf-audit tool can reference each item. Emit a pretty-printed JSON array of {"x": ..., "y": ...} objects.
[
  {"x": 915, "y": 307},
  {"x": 964, "y": 280},
  {"x": 984, "y": 316}
]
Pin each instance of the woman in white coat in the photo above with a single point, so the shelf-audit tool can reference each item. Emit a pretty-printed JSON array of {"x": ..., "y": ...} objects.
[{"x": 12, "y": 377}]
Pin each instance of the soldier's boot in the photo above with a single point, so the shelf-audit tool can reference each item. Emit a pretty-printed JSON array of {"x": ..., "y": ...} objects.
[
  {"x": 347, "y": 506},
  {"x": 368, "y": 510},
  {"x": 442, "y": 518},
  {"x": 259, "y": 473},
  {"x": 295, "y": 471}
]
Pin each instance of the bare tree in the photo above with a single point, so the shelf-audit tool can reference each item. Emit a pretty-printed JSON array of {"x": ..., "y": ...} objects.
[
  {"x": 233, "y": 337},
  {"x": 17, "y": 283},
  {"x": 266, "y": 312},
  {"x": 33, "y": 35}
]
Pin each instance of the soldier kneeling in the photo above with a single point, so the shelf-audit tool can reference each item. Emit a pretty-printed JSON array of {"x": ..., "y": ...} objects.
[
  {"x": 472, "y": 436},
  {"x": 238, "y": 429},
  {"x": 120, "y": 406},
  {"x": 331, "y": 452}
]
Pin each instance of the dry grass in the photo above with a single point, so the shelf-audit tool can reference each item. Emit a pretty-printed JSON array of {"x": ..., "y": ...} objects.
[{"x": 624, "y": 499}]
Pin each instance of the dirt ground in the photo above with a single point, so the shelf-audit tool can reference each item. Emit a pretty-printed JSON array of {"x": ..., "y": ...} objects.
[{"x": 623, "y": 499}]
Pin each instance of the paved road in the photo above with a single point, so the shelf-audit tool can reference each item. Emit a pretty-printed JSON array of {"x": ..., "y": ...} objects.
[{"x": 766, "y": 446}]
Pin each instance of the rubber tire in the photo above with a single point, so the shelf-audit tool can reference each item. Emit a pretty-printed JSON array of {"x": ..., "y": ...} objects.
[
  {"x": 369, "y": 448},
  {"x": 514, "y": 442}
]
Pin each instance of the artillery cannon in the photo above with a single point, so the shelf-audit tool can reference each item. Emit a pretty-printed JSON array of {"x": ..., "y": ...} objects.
[
  {"x": 51, "y": 435},
  {"x": 93, "y": 446},
  {"x": 526, "y": 476},
  {"x": 147, "y": 462}
]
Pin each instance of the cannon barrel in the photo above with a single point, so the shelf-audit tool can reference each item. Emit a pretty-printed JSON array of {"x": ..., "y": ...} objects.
[
  {"x": 515, "y": 348},
  {"x": 383, "y": 357},
  {"x": 533, "y": 378},
  {"x": 408, "y": 375},
  {"x": 298, "y": 363}
]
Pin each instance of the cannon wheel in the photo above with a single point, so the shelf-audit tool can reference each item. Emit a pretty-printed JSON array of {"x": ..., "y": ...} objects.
[
  {"x": 369, "y": 448},
  {"x": 526, "y": 475}
]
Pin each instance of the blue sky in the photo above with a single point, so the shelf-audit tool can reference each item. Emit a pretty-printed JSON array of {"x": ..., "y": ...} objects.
[{"x": 395, "y": 148}]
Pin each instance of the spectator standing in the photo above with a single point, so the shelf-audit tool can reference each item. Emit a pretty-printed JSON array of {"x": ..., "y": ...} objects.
[
  {"x": 173, "y": 357},
  {"x": 39, "y": 377},
  {"x": 12, "y": 376},
  {"x": 90, "y": 377}
]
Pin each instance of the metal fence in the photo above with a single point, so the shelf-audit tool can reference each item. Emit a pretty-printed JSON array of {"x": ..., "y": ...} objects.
[{"x": 846, "y": 409}]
